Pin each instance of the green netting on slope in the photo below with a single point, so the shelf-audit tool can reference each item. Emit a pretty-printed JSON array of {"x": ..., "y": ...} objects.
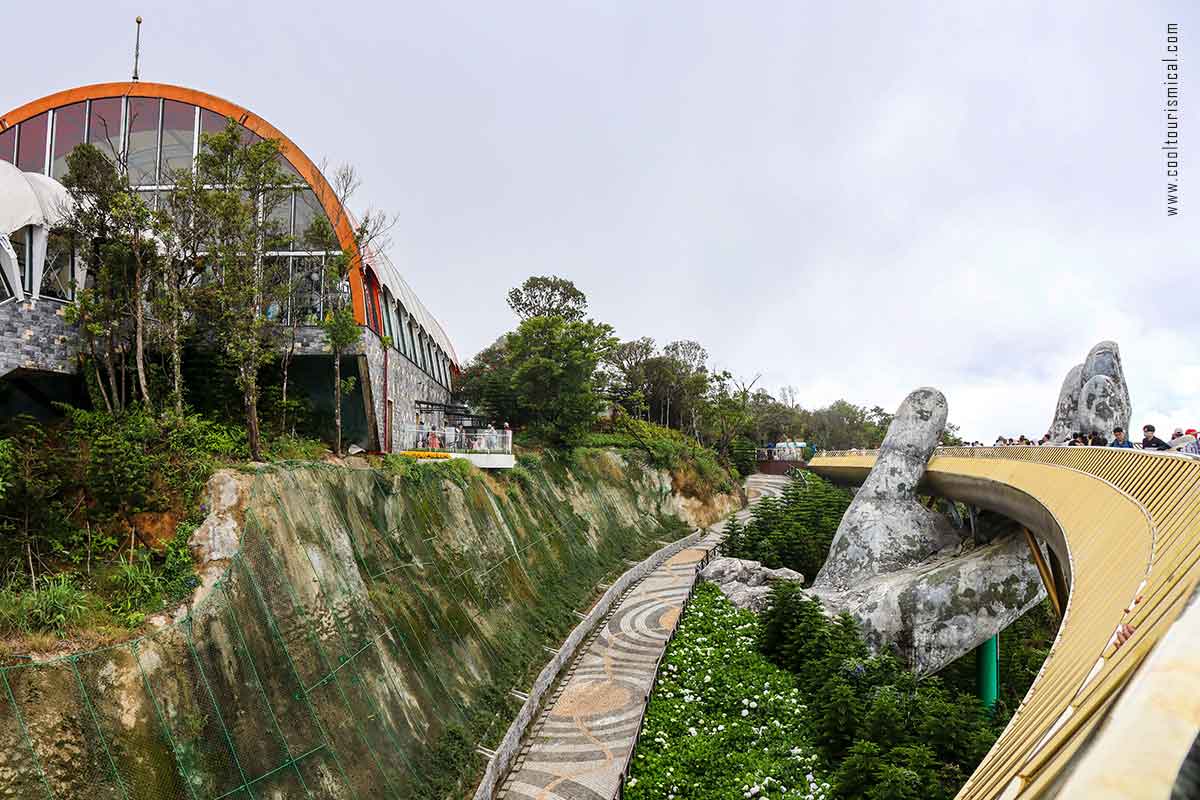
[{"x": 360, "y": 645}]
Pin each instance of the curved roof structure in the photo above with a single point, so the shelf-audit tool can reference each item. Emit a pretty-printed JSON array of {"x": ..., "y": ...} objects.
[
  {"x": 27, "y": 198},
  {"x": 93, "y": 113},
  {"x": 1126, "y": 526}
]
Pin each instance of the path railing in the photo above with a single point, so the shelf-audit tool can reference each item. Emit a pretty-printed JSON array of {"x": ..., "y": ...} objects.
[{"x": 637, "y": 737}]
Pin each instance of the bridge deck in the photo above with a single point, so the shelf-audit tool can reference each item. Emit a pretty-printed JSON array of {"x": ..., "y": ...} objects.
[{"x": 1130, "y": 525}]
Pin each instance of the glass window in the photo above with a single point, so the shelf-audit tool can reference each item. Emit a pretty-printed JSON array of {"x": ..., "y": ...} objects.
[
  {"x": 178, "y": 138},
  {"x": 20, "y": 243},
  {"x": 308, "y": 211},
  {"x": 31, "y": 144},
  {"x": 141, "y": 141},
  {"x": 279, "y": 218},
  {"x": 59, "y": 270},
  {"x": 104, "y": 126},
  {"x": 211, "y": 122},
  {"x": 8, "y": 143},
  {"x": 410, "y": 328},
  {"x": 68, "y": 134},
  {"x": 306, "y": 289},
  {"x": 276, "y": 270},
  {"x": 386, "y": 300},
  {"x": 289, "y": 172},
  {"x": 5, "y": 290}
]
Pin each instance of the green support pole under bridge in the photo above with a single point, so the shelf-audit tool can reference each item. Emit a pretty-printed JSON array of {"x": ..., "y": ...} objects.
[{"x": 987, "y": 671}]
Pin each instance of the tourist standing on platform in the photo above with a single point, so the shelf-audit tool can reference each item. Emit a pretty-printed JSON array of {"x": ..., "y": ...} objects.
[{"x": 1152, "y": 442}]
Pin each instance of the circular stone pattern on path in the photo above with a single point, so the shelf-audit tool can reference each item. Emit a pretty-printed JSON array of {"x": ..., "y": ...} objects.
[{"x": 587, "y": 698}]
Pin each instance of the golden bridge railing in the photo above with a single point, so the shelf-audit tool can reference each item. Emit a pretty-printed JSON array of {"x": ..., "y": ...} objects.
[{"x": 1131, "y": 524}]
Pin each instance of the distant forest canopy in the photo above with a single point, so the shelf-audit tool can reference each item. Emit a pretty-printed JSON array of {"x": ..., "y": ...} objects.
[{"x": 559, "y": 368}]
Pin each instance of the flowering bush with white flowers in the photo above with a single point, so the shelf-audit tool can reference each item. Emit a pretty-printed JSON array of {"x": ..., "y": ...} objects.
[{"x": 723, "y": 722}]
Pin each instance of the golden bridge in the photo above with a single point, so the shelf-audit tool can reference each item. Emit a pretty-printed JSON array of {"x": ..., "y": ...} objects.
[{"x": 1116, "y": 706}]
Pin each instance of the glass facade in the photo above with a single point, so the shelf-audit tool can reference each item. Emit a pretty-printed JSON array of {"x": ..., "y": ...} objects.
[
  {"x": 8, "y": 146},
  {"x": 154, "y": 138},
  {"x": 20, "y": 243},
  {"x": 104, "y": 125},
  {"x": 58, "y": 274},
  {"x": 31, "y": 144},
  {"x": 178, "y": 138},
  {"x": 70, "y": 123},
  {"x": 141, "y": 140}
]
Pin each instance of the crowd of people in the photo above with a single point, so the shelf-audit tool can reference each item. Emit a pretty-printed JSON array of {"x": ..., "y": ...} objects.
[
  {"x": 1182, "y": 441},
  {"x": 425, "y": 436}
]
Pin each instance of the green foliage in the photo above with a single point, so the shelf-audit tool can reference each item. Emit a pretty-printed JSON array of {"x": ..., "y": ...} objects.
[
  {"x": 542, "y": 376},
  {"x": 723, "y": 721},
  {"x": 295, "y": 448},
  {"x": 76, "y": 486},
  {"x": 744, "y": 455},
  {"x": 696, "y": 469},
  {"x": 414, "y": 471},
  {"x": 6, "y": 466},
  {"x": 54, "y": 606},
  {"x": 138, "y": 588},
  {"x": 890, "y": 737},
  {"x": 794, "y": 530},
  {"x": 341, "y": 329},
  {"x": 548, "y": 296}
]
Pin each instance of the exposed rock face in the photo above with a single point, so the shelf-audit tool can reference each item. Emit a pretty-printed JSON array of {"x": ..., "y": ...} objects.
[
  {"x": 935, "y": 612},
  {"x": 747, "y": 584},
  {"x": 1094, "y": 396},
  {"x": 885, "y": 529}
]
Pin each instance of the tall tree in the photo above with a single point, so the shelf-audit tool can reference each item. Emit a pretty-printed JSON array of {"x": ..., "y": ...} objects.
[
  {"x": 244, "y": 179},
  {"x": 108, "y": 221},
  {"x": 185, "y": 229},
  {"x": 548, "y": 296}
]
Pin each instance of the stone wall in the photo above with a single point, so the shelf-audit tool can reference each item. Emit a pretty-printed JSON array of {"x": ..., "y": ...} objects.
[
  {"x": 35, "y": 335},
  {"x": 407, "y": 383}
]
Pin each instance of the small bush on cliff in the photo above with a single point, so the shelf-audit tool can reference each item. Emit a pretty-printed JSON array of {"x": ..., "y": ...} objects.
[
  {"x": 696, "y": 470},
  {"x": 93, "y": 490},
  {"x": 794, "y": 530}
]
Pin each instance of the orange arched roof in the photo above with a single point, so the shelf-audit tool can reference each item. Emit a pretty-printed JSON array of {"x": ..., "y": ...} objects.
[{"x": 338, "y": 216}]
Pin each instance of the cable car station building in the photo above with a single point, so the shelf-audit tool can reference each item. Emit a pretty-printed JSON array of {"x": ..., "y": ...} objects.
[{"x": 156, "y": 129}]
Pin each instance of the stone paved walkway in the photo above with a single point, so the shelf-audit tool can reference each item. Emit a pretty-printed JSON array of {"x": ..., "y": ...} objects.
[{"x": 583, "y": 739}]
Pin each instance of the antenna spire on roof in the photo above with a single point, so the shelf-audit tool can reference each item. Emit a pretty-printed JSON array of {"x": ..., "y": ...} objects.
[{"x": 137, "y": 48}]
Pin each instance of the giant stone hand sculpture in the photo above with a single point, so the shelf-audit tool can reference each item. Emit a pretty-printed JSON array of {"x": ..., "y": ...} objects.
[
  {"x": 885, "y": 529},
  {"x": 1094, "y": 396}
]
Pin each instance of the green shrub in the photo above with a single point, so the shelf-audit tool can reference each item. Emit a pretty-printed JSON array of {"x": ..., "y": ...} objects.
[
  {"x": 56, "y": 605},
  {"x": 890, "y": 736},
  {"x": 793, "y": 530},
  {"x": 138, "y": 589},
  {"x": 744, "y": 454},
  {"x": 296, "y": 448}
]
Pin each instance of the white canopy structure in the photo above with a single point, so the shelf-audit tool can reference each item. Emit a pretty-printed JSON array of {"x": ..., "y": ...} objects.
[{"x": 28, "y": 200}]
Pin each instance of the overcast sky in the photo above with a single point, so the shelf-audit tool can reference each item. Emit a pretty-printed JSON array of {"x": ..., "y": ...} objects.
[{"x": 854, "y": 201}]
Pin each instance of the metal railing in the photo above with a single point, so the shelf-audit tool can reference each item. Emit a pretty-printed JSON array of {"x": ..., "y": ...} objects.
[
  {"x": 1008, "y": 450},
  {"x": 454, "y": 440}
]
